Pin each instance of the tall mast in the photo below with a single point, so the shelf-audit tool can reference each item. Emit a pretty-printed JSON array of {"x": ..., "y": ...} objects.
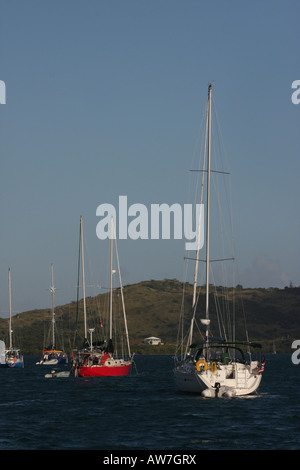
[
  {"x": 83, "y": 280},
  {"x": 9, "y": 298},
  {"x": 53, "y": 313},
  {"x": 111, "y": 277},
  {"x": 200, "y": 222},
  {"x": 208, "y": 206}
]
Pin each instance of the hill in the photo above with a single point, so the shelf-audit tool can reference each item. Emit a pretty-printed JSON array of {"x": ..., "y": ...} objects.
[{"x": 153, "y": 309}]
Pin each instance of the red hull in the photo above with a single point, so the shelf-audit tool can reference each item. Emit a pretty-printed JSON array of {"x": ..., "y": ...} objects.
[{"x": 104, "y": 371}]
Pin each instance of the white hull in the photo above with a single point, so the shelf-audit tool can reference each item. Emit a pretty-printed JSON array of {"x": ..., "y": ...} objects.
[
  {"x": 230, "y": 380},
  {"x": 57, "y": 374},
  {"x": 51, "y": 362}
]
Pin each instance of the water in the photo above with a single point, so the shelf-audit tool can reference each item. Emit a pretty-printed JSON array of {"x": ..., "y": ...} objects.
[{"x": 145, "y": 411}]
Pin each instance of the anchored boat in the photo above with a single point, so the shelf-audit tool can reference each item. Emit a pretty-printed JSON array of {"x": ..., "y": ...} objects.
[
  {"x": 102, "y": 359},
  {"x": 213, "y": 366},
  {"x": 10, "y": 357},
  {"x": 52, "y": 355}
]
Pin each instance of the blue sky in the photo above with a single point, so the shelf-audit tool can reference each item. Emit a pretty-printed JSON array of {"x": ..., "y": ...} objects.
[{"x": 104, "y": 98}]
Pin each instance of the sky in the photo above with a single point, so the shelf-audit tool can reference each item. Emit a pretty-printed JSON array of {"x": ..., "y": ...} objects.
[{"x": 105, "y": 98}]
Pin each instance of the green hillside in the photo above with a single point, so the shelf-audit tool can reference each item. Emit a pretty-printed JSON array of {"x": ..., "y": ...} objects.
[{"x": 153, "y": 309}]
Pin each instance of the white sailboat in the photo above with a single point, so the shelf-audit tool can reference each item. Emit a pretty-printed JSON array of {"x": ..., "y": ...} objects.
[
  {"x": 51, "y": 354},
  {"x": 10, "y": 357},
  {"x": 102, "y": 360},
  {"x": 214, "y": 366}
]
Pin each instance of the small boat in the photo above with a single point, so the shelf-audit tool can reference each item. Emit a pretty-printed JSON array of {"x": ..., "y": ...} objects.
[
  {"x": 214, "y": 365},
  {"x": 57, "y": 374},
  {"x": 52, "y": 355},
  {"x": 11, "y": 357},
  {"x": 101, "y": 360}
]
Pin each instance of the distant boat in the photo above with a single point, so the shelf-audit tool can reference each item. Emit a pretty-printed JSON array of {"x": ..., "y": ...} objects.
[
  {"x": 102, "y": 360},
  {"x": 52, "y": 355},
  {"x": 213, "y": 366},
  {"x": 53, "y": 374},
  {"x": 10, "y": 357}
]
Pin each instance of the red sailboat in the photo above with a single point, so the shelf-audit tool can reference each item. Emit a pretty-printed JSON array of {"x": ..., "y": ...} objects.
[
  {"x": 103, "y": 360},
  {"x": 104, "y": 365}
]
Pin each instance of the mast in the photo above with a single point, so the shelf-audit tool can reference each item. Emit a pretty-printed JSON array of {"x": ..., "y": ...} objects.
[
  {"x": 194, "y": 303},
  {"x": 123, "y": 302},
  {"x": 111, "y": 278},
  {"x": 9, "y": 298},
  {"x": 53, "y": 313},
  {"x": 208, "y": 209},
  {"x": 207, "y": 145},
  {"x": 83, "y": 279}
]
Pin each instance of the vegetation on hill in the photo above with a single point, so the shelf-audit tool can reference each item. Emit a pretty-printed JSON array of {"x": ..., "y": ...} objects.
[{"x": 153, "y": 309}]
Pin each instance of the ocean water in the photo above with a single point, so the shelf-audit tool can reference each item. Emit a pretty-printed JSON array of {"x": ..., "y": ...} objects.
[{"x": 144, "y": 411}]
